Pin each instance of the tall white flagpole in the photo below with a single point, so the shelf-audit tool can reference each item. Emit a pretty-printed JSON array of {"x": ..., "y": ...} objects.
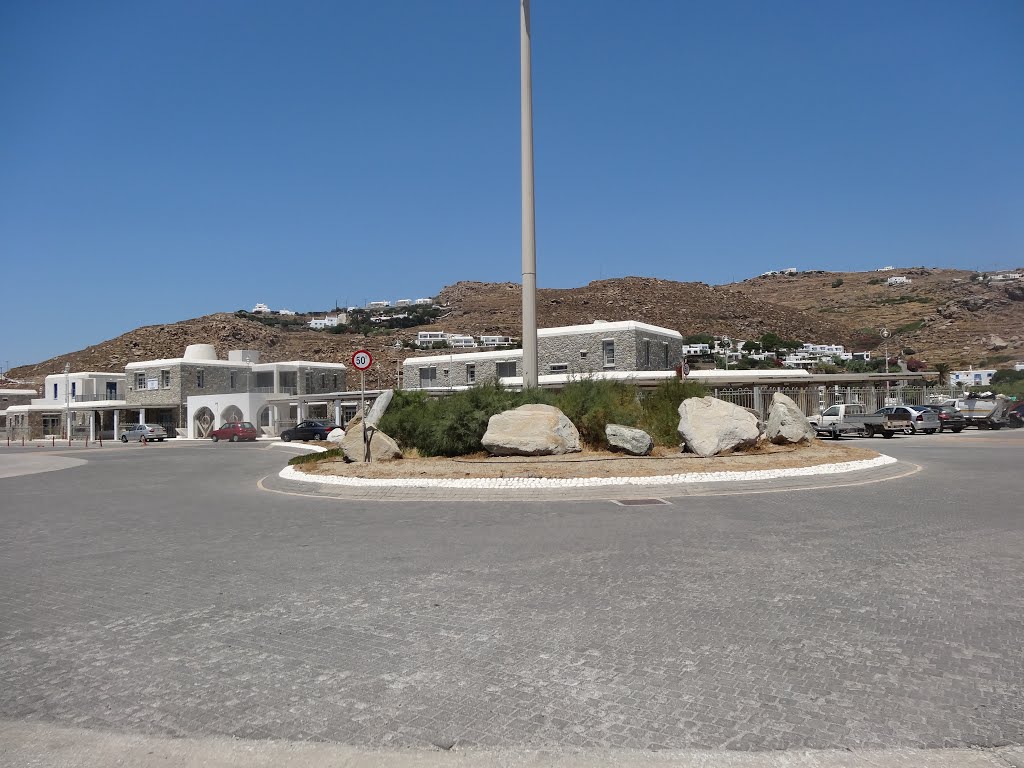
[{"x": 529, "y": 227}]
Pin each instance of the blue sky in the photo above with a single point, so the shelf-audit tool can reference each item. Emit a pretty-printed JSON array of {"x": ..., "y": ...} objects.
[{"x": 160, "y": 161}]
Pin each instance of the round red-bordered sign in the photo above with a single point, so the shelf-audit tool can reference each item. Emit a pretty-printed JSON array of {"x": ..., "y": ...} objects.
[{"x": 361, "y": 359}]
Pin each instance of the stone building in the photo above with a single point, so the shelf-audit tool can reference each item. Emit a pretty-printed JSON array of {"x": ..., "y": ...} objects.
[{"x": 594, "y": 350}]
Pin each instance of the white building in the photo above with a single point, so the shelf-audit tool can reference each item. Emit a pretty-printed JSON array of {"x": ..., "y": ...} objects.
[
  {"x": 789, "y": 271},
  {"x": 378, "y": 305},
  {"x": 330, "y": 321},
  {"x": 696, "y": 350},
  {"x": 460, "y": 341},
  {"x": 1003, "y": 276},
  {"x": 423, "y": 302},
  {"x": 972, "y": 377},
  {"x": 403, "y": 303},
  {"x": 286, "y": 312},
  {"x": 496, "y": 341},
  {"x": 261, "y": 307},
  {"x": 898, "y": 281},
  {"x": 427, "y": 339},
  {"x": 885, "y": 269},
  {"x": 1018, "y": 366}
]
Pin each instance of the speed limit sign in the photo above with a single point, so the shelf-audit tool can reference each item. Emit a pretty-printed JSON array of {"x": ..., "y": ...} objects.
[{"x": 361, "y": 360}]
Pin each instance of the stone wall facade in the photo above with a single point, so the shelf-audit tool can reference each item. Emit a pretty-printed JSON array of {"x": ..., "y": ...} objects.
[{"x": 596, "y": 350}]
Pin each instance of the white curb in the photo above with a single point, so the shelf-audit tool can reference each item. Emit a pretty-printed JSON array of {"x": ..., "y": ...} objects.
[{"x": 290, "y": 473}]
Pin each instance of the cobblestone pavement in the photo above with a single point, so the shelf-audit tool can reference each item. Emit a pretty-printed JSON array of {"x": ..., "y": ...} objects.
[{"x": 159, "y": 591}]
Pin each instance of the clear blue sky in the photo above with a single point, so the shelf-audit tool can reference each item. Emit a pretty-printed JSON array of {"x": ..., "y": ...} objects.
[{"x": 160, "y": 161}]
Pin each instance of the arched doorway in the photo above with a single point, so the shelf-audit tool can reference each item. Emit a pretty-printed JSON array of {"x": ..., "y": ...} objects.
[
  {"x": 203, "y": 420},
  {"x": 263, "y": 420}
]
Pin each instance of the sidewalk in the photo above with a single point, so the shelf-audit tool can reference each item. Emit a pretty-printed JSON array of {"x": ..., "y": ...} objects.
[{"x": 27, "y": 745}]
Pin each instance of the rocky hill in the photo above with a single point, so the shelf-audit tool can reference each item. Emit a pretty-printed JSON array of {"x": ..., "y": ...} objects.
[
  {"x": 944, "y": 315},
  {"x": 948, "y": 315}
]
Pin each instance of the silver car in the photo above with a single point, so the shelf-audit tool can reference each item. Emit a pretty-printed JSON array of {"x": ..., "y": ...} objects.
[
  {"x": 921, "y": 419},
  {"x": 147, "y": 432}
]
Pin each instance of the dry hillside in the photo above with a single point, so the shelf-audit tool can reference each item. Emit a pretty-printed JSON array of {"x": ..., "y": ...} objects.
[{"x": 943, "y": 316}]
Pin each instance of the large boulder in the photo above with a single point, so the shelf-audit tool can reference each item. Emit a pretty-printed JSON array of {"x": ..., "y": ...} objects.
[
  {"x": 709, "y": 426},
  {"x": 531, "y": 430},
  {"x": 379, "y": 407},
  {"x": 786, "y": 422},
  {"x": 633, "y": 441},
  {"x": 382, "y": 447},
  {"x": 336, "y": 435}
]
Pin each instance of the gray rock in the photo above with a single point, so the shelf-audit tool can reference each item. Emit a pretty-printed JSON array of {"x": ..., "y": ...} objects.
[
  {"x": 994, "y": 342},
  {"x": 786, "y": 422},
  {"x": 336, "y": 435},
  {"x": 382, "y": 447},
  {"x": 531, "y": 430},
  {"x": 379, "y": 407},
  {"x": 709, "y": 426},
  {"x": 633, "y": 441}
]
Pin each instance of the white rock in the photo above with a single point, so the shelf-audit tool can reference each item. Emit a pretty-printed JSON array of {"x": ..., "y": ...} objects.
[
  {"x": 531, "y": 430},
  {"x": 336, "y": 435},
  {"x": 633, "y": 441},
  {"x": 786, "y": 422},
  {"x": 379, "y": 407},
  {"x": 709, "y": 426}
]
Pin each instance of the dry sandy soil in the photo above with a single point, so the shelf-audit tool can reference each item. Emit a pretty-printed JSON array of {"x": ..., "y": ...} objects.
[{"x": 595, "y": 463}]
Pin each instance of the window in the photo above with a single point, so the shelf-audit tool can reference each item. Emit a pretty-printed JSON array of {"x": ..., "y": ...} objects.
[
  {"x": 664, "y": 346},
  {"x": 471, "y": 373},
  {"x": 647, "y": 353},
  {"x": 583, "y": 354},
  {"x": 74, "y": 387},
  {"x": 232, "y": 377},
  {"x": 506, "y": 369},
  {"x": 140, "y": 380},
  {"x": 608, "y": 346},
  {"x": 309, "y": 381},
  {"x": 323, "y": 381},
  {"x": 833, "y": 411},
  {"x": 54, "y": 391},
  {"x": 165, "y": 378},
  {"x": 200, "y": 379},
  {"x": 335, "y": 382},
  {"x": 428, "y": 376},
  {"x": 558, "y": 368}
]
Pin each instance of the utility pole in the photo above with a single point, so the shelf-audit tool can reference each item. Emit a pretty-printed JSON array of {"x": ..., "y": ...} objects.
[{"x": 530, "y": 372}]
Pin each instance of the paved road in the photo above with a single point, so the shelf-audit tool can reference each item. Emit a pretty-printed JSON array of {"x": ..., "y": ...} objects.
[{"x": 159, "y": 591}]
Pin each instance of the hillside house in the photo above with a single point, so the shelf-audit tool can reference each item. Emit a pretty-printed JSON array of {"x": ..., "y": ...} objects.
[
  {"x": 329, "y": 321},
  {"x": 898, "y": 281},
  {"x": 972, "y": 377},
  {"x": 82, "y": 403},
  {"x": 260, "y": 308},
  {"x": 496, "y": 341}
]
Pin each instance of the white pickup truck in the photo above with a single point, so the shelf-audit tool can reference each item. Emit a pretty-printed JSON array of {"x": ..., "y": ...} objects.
[{"x": 852, "y": 418}]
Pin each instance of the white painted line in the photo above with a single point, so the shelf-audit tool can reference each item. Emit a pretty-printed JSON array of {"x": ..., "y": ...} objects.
[{"x": 290, "y": 473}]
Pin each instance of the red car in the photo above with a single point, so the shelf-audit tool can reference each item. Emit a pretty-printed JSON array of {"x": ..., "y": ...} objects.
[{"x": 235, "y": 431}]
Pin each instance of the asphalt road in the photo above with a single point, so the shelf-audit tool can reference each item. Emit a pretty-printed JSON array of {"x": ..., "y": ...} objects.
[{"x": 158, "y": 590}]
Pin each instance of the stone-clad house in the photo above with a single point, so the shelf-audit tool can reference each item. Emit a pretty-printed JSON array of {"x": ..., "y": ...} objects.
[{"x": 594, "y": 349}]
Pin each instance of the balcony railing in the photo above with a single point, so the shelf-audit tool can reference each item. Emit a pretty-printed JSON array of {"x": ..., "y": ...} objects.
[{"x": 95, "y": 398}]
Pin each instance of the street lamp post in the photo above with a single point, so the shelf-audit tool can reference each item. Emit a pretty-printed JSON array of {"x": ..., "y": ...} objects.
[
  {"x": 530, "y": 364},
  {"x": 67, "y": 397}
]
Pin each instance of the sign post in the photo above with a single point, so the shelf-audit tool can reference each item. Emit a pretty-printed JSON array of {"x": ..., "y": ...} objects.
[{"x": 361, "y": 360}]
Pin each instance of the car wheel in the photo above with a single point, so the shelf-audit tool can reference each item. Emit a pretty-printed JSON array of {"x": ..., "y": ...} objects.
[
  {"x": 887, "y": 433},
  {"x": 234, "y": 438},
  {"x": 305, "y": 439},
  {"x": 215, "y": 438},
  {"x": 285, "y": 437},
  {"x": 124, "y": 438},
  {"x": 956, "y": 430},
  {"x": 835, "y": 433}
]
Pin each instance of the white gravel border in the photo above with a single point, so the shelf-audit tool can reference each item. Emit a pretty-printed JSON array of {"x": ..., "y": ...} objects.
[{"x": 290, "y": 473}]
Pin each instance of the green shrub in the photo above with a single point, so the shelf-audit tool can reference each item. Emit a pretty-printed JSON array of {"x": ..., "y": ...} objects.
[
  {"x": 660, "y": 409},
  {"x": 309, "y": 458},
  {"x": 592, "y": 404},
  {"x": 837, "y": 282}
]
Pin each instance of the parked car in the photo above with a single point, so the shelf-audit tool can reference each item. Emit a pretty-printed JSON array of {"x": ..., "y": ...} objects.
[
  {"x": 949, "y": 418},
  {"x": 921, "y": 419},
  {"x": 235, "y": 431},
  {"x": 309, "y": 430},
  {"x": 147, "y": 432},
  {"x": 1015, "y": 417}
]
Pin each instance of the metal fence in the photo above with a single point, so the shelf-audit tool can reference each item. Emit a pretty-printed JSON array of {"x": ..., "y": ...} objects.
[{"x": 814, "y": 399}]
